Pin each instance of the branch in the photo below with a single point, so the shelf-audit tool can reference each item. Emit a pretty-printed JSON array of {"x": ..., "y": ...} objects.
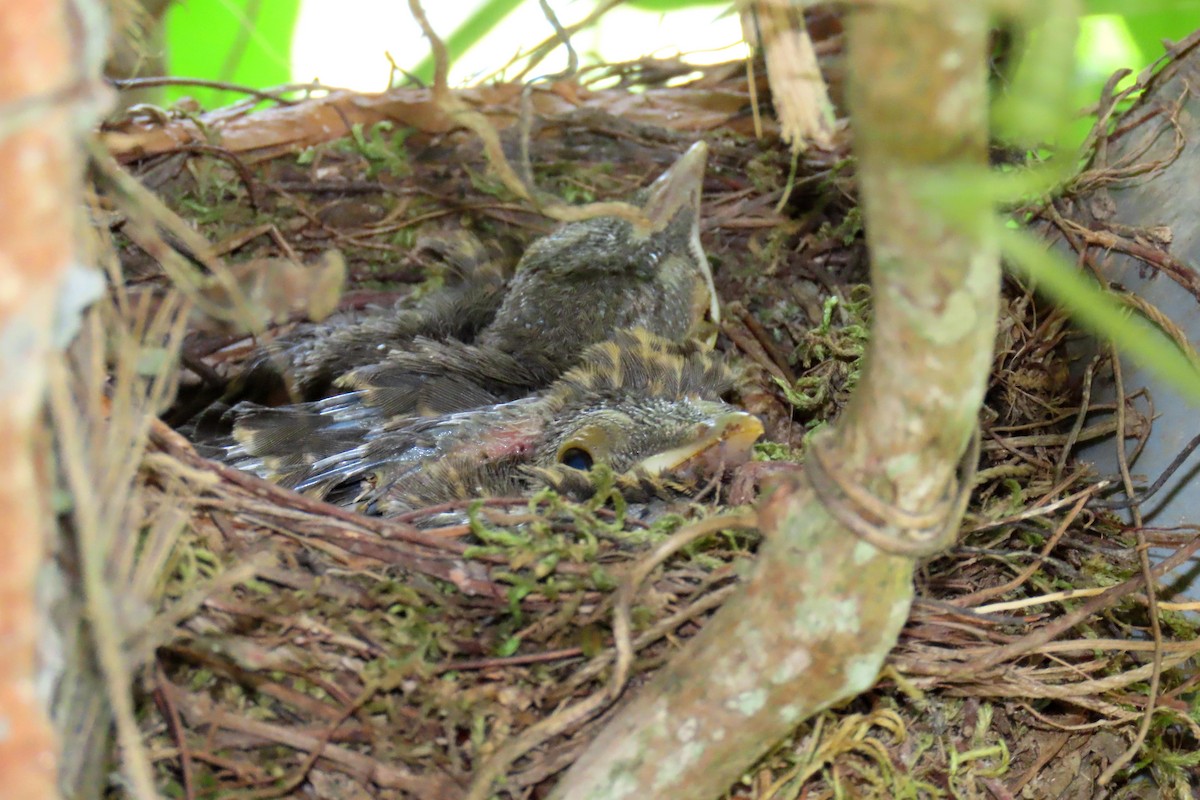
[
  {"x": 44, "y": 76},
  {"x": 825, "y": 604}
]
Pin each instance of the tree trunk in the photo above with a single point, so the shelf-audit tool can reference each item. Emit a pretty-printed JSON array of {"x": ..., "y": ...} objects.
[{"x": 42, "y": 79}]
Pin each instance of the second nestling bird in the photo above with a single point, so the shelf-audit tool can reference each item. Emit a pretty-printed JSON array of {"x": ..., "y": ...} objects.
[
  {"x": 572, "y": 288},
  {"x": 646, "y": 408}
]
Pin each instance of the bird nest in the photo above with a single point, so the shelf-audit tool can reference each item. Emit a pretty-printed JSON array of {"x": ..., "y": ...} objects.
[{"x": 284, "y": 646}]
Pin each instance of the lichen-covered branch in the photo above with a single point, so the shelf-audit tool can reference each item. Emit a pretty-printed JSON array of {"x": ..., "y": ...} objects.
[
  {"x": 40, "y": 89},
  {"x": 824, "y": 606}
]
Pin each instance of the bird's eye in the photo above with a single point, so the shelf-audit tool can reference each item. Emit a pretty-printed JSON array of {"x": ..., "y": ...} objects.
[{"x": 576, "y": 458}]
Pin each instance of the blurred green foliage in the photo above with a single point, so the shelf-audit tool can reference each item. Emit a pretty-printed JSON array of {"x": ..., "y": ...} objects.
[
  {"x": 244, "y": 42},
  {"x": 247, "y": 42},
  {"x": 1151, "y": 21}
]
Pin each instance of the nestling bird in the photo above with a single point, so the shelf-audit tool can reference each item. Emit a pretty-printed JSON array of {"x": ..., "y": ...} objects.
[
  {"x": 646, "y": 407},
  {"x": 590, "y": 279},
  {"x": 466, "y": 347},
  {"x": 303, "y": 364}
]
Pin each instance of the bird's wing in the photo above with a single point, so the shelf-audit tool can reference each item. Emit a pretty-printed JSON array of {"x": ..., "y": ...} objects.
[
  {"x": 304, "y": 363},
  {"x": 455, "y": 312},
  {"x": 284, "y": 443},
  {"x": 410, "y": 458},
  {"x": 437, "y": 377},
  {"x": 343, "y": 449},
  {"x": 308, "y": 360}
]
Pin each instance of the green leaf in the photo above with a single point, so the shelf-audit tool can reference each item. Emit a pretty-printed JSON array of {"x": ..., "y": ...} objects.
[
  {"x": 245, "y": 42},
  {"x": 1151, "y": 21}
]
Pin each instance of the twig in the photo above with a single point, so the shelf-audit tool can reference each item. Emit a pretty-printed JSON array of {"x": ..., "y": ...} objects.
[
  {"x": 509, "y": 661},
  {"x": 1028, "y": 572},
  {"x": 1135, "y": 499},
  {"x": 1080, "y": 418},
  {"x": 107, "y": 635},
  {"x": 1151, "y": 591},
  {"x": 234, "y": 160},
  {"x": 310, "y": 759},
  {"x": 1048, "y": 632},
  {"x": 131, "y": 84},
  {"x": 175, "y": 723},
  {"x": 525, "y": 124},
  {"x": 387, "y": 776},
  {"x": 544, "y": 48}
]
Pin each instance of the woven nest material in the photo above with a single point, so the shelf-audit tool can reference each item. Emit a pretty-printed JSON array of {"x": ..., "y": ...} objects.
[{"x": 284, "y": 647}]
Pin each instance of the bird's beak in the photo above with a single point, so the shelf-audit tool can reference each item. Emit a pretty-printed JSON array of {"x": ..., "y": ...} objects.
[
  {"x": 725, "y": 442},
  {"x": 677, "y": 188}
]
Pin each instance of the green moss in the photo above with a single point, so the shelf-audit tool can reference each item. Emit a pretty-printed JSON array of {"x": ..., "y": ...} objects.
[{"x": 382, "y": 145}]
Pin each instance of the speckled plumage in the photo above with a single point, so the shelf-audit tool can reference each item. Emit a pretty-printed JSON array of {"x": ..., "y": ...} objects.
[
  {"x": 484, "y": 341},
  {"x": 643, "y": 405},
  {"x": 589, "y": 279}
]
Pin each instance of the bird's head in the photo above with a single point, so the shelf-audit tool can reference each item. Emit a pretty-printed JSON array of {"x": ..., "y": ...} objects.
[
  {"x": 644, "y": 407},
  {"x": 608, "y": 273},
  {"x": 647, "y": 440}
]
